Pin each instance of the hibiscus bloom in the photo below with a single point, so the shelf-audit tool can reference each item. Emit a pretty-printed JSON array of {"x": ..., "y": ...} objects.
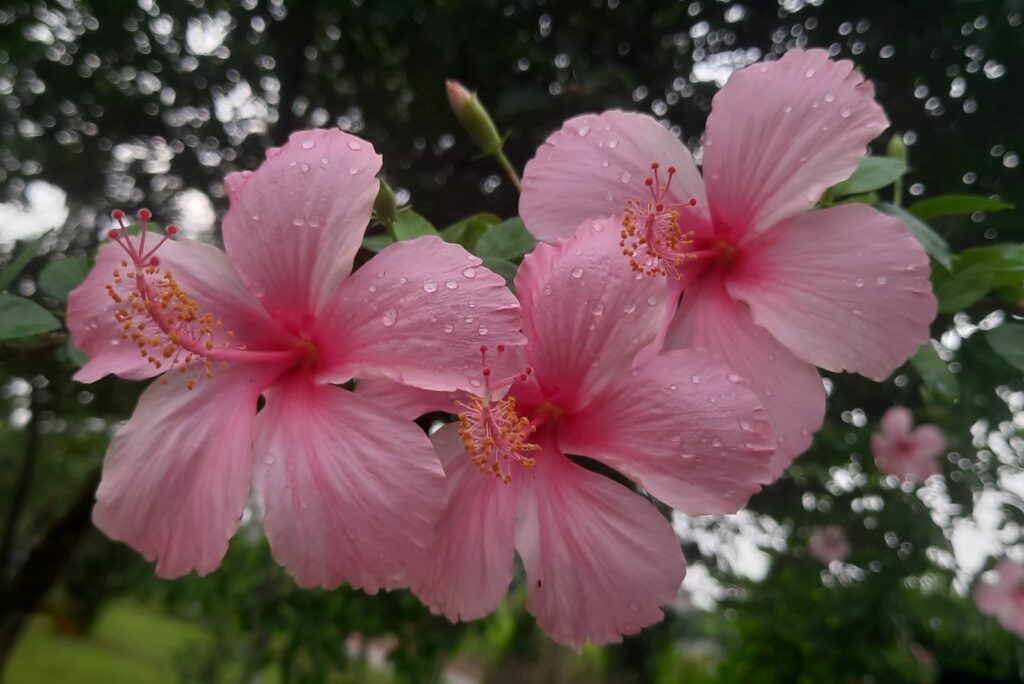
[
  {"x": 773, "y": 285},
  {"x": 349, "y": 487},
  {"x": 600, "y": 559},
  {"x": 828, "y": 543},
  {"x": 909, "y": 455},
  {"x": 1004, "y": 598}
]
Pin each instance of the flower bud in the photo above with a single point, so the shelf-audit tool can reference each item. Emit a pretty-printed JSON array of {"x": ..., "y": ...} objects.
[
  {"x": 896, "y": 148},
  {"x": 473, "y": 117},
  {"x": 384, "y": 207}
]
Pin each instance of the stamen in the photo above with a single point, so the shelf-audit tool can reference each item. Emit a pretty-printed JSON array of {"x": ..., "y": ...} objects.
[
  {"x": 492, "y": 432},
  {"x": 159, "y": 317},
  {"x": 652, "y": 237}
]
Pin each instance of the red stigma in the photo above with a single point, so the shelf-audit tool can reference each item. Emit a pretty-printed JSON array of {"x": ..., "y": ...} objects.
[
  {"x": 171, "y": 230},
  {"x": 117, "y": 214},
  {"x": 648, "y": 181},
  {"x": 487, "y": 372},
  {"x": 112, "y": 233},
  {"x": 671, "y": 169},
  {"x": 154, "y": 262},
  {"x": 145, "y": 214},
  {"x": 655, "y": 166},
  {"x": 501, "y": 347},
  {"x": 483, "y": 348},
  {"x": 693, "y": 202}
]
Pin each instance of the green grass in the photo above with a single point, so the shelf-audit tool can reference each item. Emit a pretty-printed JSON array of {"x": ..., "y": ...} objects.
[{"x": 131, "y": 644}]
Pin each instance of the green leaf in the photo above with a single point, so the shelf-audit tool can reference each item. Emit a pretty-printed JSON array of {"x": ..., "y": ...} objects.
[
  {"x": 507, "y": 240},
  {"x": 873, "y": 173},
  {"x": 20, "y": 317},
  {"x": 960, "y": 287},
  {"x": 956, "y": 205},
  {"x": 468, "y": 231},
  {"x": 932, "y": 242},
  {"x": 934, "y": 371},
  {"x": 14, "y": 269},
  {"x": 410, "y": 225},
  {"x": 376, "y": 243},
  {"x": 76, "y": 356},
  {"x": 506, "y": 269},
  {"x": 1008, "y": 341},
  {"x": 61, "y": 276}
]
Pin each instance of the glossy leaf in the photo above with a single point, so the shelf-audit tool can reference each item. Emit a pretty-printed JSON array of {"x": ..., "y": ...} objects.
[
  {"x": 20, "y": 317},
  {"x": 1008, "y": 341},
  {"x": 956, "y": 205},
  {"x": 507, "y": 240},
  {"x": 61, "y": 276},
  {"x": 934, "y": 371},
  {"x": 872, "y": 174}
]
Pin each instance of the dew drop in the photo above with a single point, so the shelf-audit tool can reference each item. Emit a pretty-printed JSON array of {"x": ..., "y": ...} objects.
[
  {"x": 474, "y": 382},
  {"x": 881, "y": 280},
  {"x": 651, "y": 301},
  {"x": 716, "y": 442},
  {"x": 353, "y": 145},
  {"x": 429, "y": 286},
  {"x": 389, "y": 317},
  {"x": 577, "y": 272},
  {"x": 353, "y": 171},
  {"x": 605, "y": 164},
  {"x": 451, "y": 284},
  {"x": 256, "y": 218},
  {"x": 372, "y": 289},
  {"x": 597, "y": 309},
  {"x": 858, "y": 283},
  {"x": 298, "y": 222},
  {"x": 613, "y": 144},
  {"x": 809, "y": 73},
  {"x": 686, "y": 457},
  {"x": 745, "y": 425},
  {"x": 829, "y": 97},
  {"x": 482, "y": 329},
  {"x": 845, "y": 113},
  {"x": 268, "y": 460},
  {"x": 403, "y": 280},
  {"x": 787, "y": 109},
  {"x": 547, "y": 289},
  {"x": 325, "y": 161},
  {"x": 676, "y": 439},
  {"x": 626, "y": 176},
  {"x": 448, "y": 328},
  {"x": 695, "y": 379},
  {"x": 468, "y": 318},
  {"x": 597, "y": 226},
  {"x": 629, "y": 308},
  {"x": 305, "y": 168},
  {"x": 584, "y": 132},
  {"x": 673, "y": 387},
  {"x": 733, "y": 378},
  {"x": 468, "y": 273},
  {"x": 308, "y": 144}
]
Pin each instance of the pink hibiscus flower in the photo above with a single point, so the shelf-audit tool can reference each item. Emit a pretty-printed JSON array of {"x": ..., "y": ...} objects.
[
  {"x": 1004, "y": 598},
  {"x": 349, "y": 487},
  {"x": 828, "y": 543},
  {"x": 909, "y": 455},
  {"x": 600, "y": 560},
  {"x": 773, "y": 285}
]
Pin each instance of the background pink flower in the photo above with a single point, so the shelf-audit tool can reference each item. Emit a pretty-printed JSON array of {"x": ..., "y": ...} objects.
[
  {"x": 828, "y": 543},
  {"x": 350, "y": 488},
  {"x": 910, "y": 455},
  {"x": 1004, "y": 598},
  {"x": 600, "y": 560},
  {"x": 775, "y": 286}
]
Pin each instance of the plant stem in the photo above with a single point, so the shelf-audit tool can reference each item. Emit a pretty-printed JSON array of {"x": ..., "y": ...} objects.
[{"x": 510, "y": 171}]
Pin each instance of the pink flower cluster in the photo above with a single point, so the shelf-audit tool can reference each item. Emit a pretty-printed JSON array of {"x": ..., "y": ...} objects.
[{"x": 668, "y": 331}]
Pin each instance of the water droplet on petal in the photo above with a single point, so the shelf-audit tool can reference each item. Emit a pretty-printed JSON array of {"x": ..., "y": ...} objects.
[
  {"x": 389, "y": 317},
  {"x": 429, "y": 286},
  {"x": 597, "y": 226},
  {"x": 451, "y": 284},
  {"x": 625, "y": 177},
  {"x": 577, "y": 272},
  {"x": 468, "y": 318},
  {"x": 845, "y": 113},
  {"x": 468, "y": 273},
  {"x": 881, "y": 280},
  {"x": 298, "y": 222},
  {"x": 613, "y": 144},
  {"x": 809, "y": 73},
  {"x": 716, "y": 442},
  {"x": 353, "y": 171},
  {"x": 686, "y": 457},
  {"x": 695, "y": 379},
  {"x": 584, "y": 132},
  {"x": 308, "y": 144},
  {"x": 605, "y": 164},
  {"x": 372, "y": 288},
  {"x": 547, "y": 289},
  {"x": 858, "y": 283},
  {"x": 325, "y": 161},
  {"x": 482, "y": 329},
  {"x": 829, "y": 97},
  {"x": 629, "y": 308},
  {"x": 305, "y": 168},
  {"x": 735, "y": 378},
  {"x": 448, "y": 327},
  {"x": 652, "y": 300},
  {"x": 787, "y": 109},
  {"x": 597, "y": 309},
  {"x": 745, "y": 425},
  {"x": 354, "y": 145},
  {"x": 677, "y": 439},
  {"x": 268, "y": 460},
  {"x": 673, "y": 387}
]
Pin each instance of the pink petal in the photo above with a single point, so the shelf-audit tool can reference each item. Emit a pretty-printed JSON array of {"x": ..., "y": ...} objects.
[
  {"x": 989, "y": 598},
  {"x": 782, "y": 132},
  {"x": 466, "y": 572},
  {"x": 176, "y": 476},
  {"x": 351, "y": 489},
  {"x": 791, "y": 391},
  {"x": 202, "y": 271},
  {"x": 594, "y": 164},
  {"x": 408, "y": 402},
  {"x": 295, "y": 225},
  {"x": 929, "y": 441},
  {"x": 585, "y": 312},
  {"x": 897, "y": 421},
  {"x": 682, "y": 429},
  {"x": 1011, "y": 573},
  {"x": 600, "y": 560},
  {"x": 417, "y": 313},
  {"x": 844, "y": 288}
]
